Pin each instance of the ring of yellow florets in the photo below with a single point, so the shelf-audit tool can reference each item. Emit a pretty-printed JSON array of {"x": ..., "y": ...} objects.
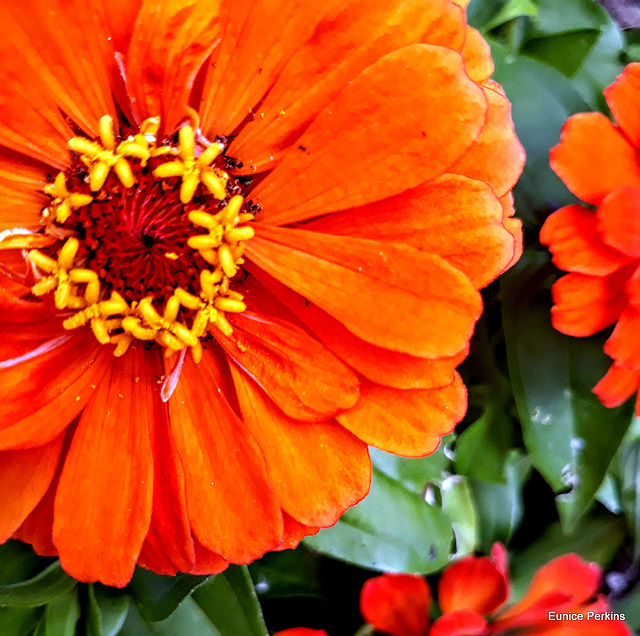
[{"x": 187, "y": 314}]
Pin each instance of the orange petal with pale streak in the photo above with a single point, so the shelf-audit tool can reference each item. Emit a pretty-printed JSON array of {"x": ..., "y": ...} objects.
[
  {"x": 624, "y": 345},
  {"x": 106, "y": 487},
  {"x": 294, "y": 532},
  {"x": 617, "y": 386},
  {"x": 496, "y": 156},
  {"x": 404, "y": 105},
  {"x": 352, "y": 37},
  {"x": 396, "y": 604},
  {"x": 472, "y": 583},
  {"x": 20, "y": 201},
  {"x": 584, "y": 305},
  {"x": 42, "y": 40},
  {"x": 623, "y": 97},
  {"x": 593, "y": 158},
  {"x": 251, "y": 57},
  {"x": 318, "y": 470},
  {"x": 393, "y": 296},
  {"x": 299, "y": 374},
  {"x": 408, "y": 423},
  {"x": 25, "y": 476},
  {"x": 224, "y": 468},
  {"x": 455, "y": 217},
  {"x": 379, "y": 365},
  {"x": 576, "y": 244},
  {"x": 619, "y": 220},
  {"x": 47, "y": 387},
  {"x": 170, "y": 42},
  {"x": 168, "y": 547}
]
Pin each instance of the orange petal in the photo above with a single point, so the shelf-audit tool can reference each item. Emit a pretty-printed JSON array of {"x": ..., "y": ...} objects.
[
  {"x": 232, "y": 507},
  {"x": 318, "y": 470},
  {"x": 207, "y": 562},
  {"x": 477, "y": 56},
  {"x": 170, "y": 42},
  {"x": 472, "y": 583},
  {"x": 106, "y": 487},
  {"x": 37, "y": 528},
  {"x": 461, "y": 3},
  {"x": 623, "y": 97},
  {"x": 20, "y": 201},
  {"x": 299, "y": 374},
  {"x": 593, "y": 158},
  {"x": 449, "y": 29},
  {"x": 392, "y": 296},
  {"x": 42, "y": 40},
  {"x": 408, "y": 423},
  {"x": 294, "y": 532},
  {"x": 353, "y": 36},
  {"x": 624, "y": 345},
  {"x": 586, "y": 304},
  {"x": 25, "y": 476},
  {"x": 617, "y": 386},
  {"x": 47, "y": 387},
  {"x": 168, "y": 546},
  {"x": 567, "y": 575},
  {"x": 455, "y": 217},
  {"x": 572, "y": 235},
  {"x": 396, "y": 604},
  {"x": 251, "y": 56},
  {"x": 619, "y": 220},
  {"x": 379, "y": 365},
  {"x": 496, "y": 156},
  {"x": 513, "y": 226},
  {"x": 405, "y": 105},
  {"x": 119, "y": 17},
  {"x": 459, "y": 623}
]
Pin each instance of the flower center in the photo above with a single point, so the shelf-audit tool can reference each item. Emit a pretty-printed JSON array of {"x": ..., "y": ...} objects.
[{"x": 149, "y": 237}]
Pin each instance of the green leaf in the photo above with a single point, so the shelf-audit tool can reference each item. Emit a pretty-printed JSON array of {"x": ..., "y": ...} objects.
[
  {"x": 481, "y": 450},
  {"x": 107, "y": 610},
  {"x": 630, "y": 473},
  {"x": 19, "y": 562},
  {"x": 288, "y": 573},
  {"x": 563, "y": 17},
  {"x": 595, "y": 540},
  {"x": 229, "y": 600},
  {"x": 39, "y": 590},
  {"x": 630, "y": 607},
  {"x": 188, "y": 619},
  {"x": 19, "y": 621},
  {"x": 158, "y": 596},
  {"x": 564, "y": 52},
  {"x": 499, "y": 507},
  {"x": 392, "y": 529},
  {"x": 570, "y": 435},
  {"x": 512, "y": 9},
  {"x": 457, "y": 504},
  {"x": 542, "y": 100},
  {"x": 61, "y": 615},
  {"x": 415, "y": 474}
]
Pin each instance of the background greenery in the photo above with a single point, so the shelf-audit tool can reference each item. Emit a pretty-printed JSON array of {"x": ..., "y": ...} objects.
[{"x": 537, "y": 463}]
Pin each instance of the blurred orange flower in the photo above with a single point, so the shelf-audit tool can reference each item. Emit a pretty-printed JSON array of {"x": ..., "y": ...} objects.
[
  {"x": 598, "y": 161},
  {"x": 286, "y": 274},
  {"x": 472, "y": 593}
]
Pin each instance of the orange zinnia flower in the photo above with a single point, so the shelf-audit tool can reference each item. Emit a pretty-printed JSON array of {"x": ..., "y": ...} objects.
[
  {"x": 598, "y": 161},
  {"x": 285, "y": 275},
  {"x": 475, "y": 588}
]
